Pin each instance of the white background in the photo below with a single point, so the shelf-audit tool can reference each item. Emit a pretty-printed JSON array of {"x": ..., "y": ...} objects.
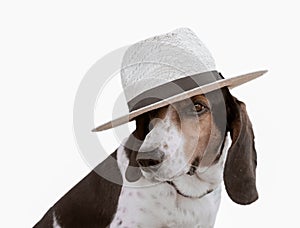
[{"x": 47, "y": 47}]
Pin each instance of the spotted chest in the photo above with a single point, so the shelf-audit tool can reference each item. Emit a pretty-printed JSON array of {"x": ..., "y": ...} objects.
[
  {"x": 148, "y": 204},
  {"x": 161, "y": 206}
]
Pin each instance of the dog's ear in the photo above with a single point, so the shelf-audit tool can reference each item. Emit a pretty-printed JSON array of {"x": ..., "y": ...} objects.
[
  {"x": 133, "y": 144},
  {"x": 240, "y": 165}
]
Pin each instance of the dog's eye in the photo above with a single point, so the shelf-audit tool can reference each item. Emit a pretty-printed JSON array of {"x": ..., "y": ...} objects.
[
  {"x": 199, "y": 108},
  {"x": 195, "y": 109}
]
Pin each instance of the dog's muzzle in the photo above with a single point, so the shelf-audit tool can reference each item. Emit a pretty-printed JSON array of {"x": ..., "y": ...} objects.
[{"x": 150, "y": 160}]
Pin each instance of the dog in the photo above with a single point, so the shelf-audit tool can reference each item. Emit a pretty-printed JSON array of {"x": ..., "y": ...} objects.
[{"x": 171, "y": 169}]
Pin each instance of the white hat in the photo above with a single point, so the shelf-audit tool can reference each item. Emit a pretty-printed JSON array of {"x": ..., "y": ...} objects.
[{"x": 169, "y": 68}]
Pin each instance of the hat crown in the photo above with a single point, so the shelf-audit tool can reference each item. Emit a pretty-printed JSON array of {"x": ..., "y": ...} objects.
[{"x": 161, "y": 59}]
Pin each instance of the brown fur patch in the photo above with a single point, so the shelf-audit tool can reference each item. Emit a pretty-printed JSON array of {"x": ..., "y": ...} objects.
[{"x": 200, "y": 132}]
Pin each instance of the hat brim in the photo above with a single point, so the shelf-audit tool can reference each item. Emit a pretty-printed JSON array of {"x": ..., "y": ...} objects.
[{"x": 228, "y": 82}]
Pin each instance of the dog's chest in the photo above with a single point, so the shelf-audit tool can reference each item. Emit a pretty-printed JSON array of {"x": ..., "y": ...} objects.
[{"x": 160, "y": 206}]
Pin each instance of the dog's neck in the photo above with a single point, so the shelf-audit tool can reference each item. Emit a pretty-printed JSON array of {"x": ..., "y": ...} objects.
[
  {"x": 160, "y": 202},
  {"x": 205, "y": 179}
]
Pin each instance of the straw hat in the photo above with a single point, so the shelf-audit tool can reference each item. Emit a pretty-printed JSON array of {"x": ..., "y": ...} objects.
[{"x": 168, "y": 68}]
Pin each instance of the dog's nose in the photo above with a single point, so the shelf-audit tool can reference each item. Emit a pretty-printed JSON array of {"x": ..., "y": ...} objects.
[{"x": 150, "y": 159}]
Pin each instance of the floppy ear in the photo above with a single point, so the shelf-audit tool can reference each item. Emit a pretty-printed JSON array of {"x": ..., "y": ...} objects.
[
  {"x": 240, "y": 165},
  {"x": 134, "y": 142}
]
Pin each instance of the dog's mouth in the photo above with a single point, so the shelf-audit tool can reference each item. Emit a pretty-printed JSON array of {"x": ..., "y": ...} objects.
[
  {"x": 157, "y": 174},
  {"x": 192, "y": 170},
  {"x": 182, "y": 182}
]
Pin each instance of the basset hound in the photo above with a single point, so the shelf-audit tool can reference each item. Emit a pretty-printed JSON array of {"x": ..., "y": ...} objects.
[{"x": 171, "y": 169}]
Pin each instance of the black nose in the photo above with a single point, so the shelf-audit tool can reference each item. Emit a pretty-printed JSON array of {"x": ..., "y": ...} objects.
[{"x": 151, "y": 158}]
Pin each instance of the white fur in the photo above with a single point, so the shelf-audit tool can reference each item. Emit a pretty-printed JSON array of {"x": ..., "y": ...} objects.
[
  {"x": 149, "y": 203},
  {"x": 206, "y": 178},
  {"x": 55, "y": 223},
  {"x": 167, "y": 138}
]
